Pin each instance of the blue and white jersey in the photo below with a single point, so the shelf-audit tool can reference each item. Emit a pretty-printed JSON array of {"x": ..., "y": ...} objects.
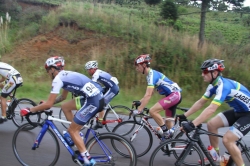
[
  {"x": 233, "y": 93},
  {"x": 105, "y": 79},
  {"x": 74, "y": 82},
  {"x": 162, "y": 84}
]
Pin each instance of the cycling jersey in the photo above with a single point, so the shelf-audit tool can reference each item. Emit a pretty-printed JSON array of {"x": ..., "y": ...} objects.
[
  {"x": 12, "y": 76},
  {"x": 74, "y": 82},
  {"x": 104, "y": 78},
  {"x": 109, "y": 83},
  {"x": 7, "y": 71},
  {"x": 162, "y": 84},
  {"x": 233, "y": 93}
]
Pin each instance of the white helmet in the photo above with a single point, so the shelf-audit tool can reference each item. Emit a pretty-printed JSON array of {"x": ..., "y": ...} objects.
[
  {"x": 55, "y": 61},
  {"x": 91, "y": 65}
]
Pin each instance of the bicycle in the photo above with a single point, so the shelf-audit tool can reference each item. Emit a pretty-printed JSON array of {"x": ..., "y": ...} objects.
[
  {"x": 190, "y": 151},
  {"x": 15, "y": 105},
  {"x": 130, "y": 130},
  {"x": 111, "y": 117},
  {"x": 106, "y": 148}
]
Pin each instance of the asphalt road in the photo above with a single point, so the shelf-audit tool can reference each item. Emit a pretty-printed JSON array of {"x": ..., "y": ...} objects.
[{"x": 7, "y": 157}]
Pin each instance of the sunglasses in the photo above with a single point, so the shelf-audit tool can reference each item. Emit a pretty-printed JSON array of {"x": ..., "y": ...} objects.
[{"x": 205, "y": 71}]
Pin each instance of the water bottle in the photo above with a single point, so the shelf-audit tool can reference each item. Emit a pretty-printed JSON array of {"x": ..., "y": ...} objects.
[
  {"x": 159, "y": 131},
  {"x": 8, "y": 103},
  {"x": 67, "y": 138},
  {"x": 224, "y": 159},
  {"x": 213, "y": 153},
  {"x": 81, "y": 135}
]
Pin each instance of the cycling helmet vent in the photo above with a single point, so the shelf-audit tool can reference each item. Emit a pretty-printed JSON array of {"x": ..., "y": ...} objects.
[
  {"x": 213, "y": 64},
  {"x": 91, "y": 65},
  {"x": 56, "y": 62},
  {"x": 143, "y": 59}
]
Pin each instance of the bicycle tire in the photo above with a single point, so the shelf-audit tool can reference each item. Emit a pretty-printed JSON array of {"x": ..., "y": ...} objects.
[
  {"x": 23, "y": 141},
  {"x": 190, "y": 160},
  {"x": 244, "y": 151},
  {"x": 121, "y": 111},
  {"x": 120, "y": 145},
  {"x": 137, "y": 139},
  {"x": 21, "y": 104}
]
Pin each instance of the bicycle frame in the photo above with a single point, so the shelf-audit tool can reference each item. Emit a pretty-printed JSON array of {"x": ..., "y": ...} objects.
[
  {"x": 144, "y": 121},
  {"x": 76, "y": 158},
  {"x": 104, "y": 122},
  {"x": 195, "y": 139}
]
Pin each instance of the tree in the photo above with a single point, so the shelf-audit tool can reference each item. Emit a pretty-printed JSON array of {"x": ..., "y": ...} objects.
[
  {"x": 169, "y": 10},
  {"x": 152, "y": 2},
  {"x": 222, "y": 6},
  {"x": 204, "y": 8}
]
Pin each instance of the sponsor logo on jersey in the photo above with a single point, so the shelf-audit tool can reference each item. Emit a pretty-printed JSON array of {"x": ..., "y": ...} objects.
[
  {"x": 73, "y": 87},
  {"x": 104, "y": 80},
  {"x": 242, "y": 97}
]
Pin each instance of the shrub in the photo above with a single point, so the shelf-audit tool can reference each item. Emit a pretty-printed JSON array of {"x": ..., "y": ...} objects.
[{"x": 169, "y": 10}]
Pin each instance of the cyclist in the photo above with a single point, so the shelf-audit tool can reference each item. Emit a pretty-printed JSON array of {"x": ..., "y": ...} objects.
[
  {"x": 107, "y": 81},
  {"x": 233, "y": 93},
  {"x": 89, "y": 102},
  {"x": 10, "y": 80},
  {"x": 164, "y": 86}
]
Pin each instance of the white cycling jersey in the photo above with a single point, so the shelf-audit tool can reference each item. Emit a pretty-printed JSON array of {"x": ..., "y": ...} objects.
[{"x": 7, "y": 70}]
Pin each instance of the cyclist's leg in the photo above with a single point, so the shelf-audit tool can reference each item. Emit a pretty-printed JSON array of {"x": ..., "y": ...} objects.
[
  {"x": 165, "y": 104},
  {"x": 7, "y": 89},
  {"x": 239, "y": 129},
  {"x": 223, "y": 119},
  {"x": 70, "y": 105},
  {"x": 89, "y": 108},
  {"x": 108, "y": 96}
]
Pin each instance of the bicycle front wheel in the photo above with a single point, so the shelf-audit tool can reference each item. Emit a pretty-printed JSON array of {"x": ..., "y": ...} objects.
[
  {"x": 139, "y": 135},
  {"x": 114, "y": 116},
  {"x": 176, "y": 146},
  {"x": 111, "y": 149},
  {"x": 18, "y": 106},
  {"x": 46, "y": 154}
]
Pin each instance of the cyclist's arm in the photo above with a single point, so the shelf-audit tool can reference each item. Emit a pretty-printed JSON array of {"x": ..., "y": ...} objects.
[
  {"x": 206, "y": 113},
  {"x": 61, "y": 97},
  {"x": 144, "y": 101},
  {"x": 46, "y": 105},
  {"x": 196, "y": 106}
]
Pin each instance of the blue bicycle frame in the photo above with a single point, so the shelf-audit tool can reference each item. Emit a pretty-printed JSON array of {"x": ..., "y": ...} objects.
[{"x": 76, "y": 157}]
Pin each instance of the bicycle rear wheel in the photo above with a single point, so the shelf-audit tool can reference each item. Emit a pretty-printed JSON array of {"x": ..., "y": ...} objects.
[
  {"x": 46, "y": 154},
  {"x": 16, "y": 108},
  {"x": 114, "y": 116},
  {"x": 176, "y": 146},
  {"x": 111, "y": 149},
  {"x": 141, "y": 139}
]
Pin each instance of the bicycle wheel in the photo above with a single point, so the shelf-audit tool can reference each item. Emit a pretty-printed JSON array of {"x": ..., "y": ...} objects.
[
  {"x": 21, "y": 104},
  {"x": 140, "y": 136},
  {"x": 113, "y": 145},
  {"x": 46, "y": 154},
  {"x": 114, "y": 116},
  {"x": 158, "y": 157}
]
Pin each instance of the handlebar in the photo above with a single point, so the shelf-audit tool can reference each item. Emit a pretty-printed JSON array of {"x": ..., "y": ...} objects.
[{"x": 27, "y": 117}]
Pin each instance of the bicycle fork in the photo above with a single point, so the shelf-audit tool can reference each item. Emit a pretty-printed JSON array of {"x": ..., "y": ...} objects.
[{"x": 136, "y": 132}]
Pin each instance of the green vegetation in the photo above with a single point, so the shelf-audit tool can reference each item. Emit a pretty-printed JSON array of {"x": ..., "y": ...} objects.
[{"x": 134, "y": 31}]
